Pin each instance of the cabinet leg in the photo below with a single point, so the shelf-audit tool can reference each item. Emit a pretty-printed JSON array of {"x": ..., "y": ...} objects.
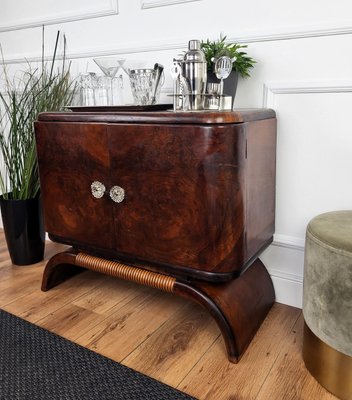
[
  {"x": 238, "y": 306},
  {"x": 59, "y": 268}
]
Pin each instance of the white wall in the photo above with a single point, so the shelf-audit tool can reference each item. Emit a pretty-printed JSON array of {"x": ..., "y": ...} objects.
[{"x": 304, "y": 72}]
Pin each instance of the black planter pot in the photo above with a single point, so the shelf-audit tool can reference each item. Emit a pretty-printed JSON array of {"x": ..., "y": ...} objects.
[
  {"x": 230, "y": 83},
  {"x": 24, "y": 230}
]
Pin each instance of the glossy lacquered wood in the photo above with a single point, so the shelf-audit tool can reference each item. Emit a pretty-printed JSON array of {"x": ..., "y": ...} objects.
[
  {"x": 199, "y": 198},
  {"x": 167, "y": 117},
  {"x": 199, "y": 203},
  {"x": 59, "y": 268},
  {"x": 71, "y": 157},
  {"x": 238, "y": 306}
]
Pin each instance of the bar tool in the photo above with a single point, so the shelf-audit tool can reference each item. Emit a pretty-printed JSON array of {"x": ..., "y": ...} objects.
[
  {"x": 194, "y": 71},
  {"x": 222, "y": 69},
  {"x": 175, "y": 72},
  {"x": 158, "y": 68}
]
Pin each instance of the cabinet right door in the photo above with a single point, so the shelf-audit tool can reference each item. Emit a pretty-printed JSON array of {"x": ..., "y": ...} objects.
[
  {"x": 184, "y": 195},
  {"x": 71, "y": 157}
]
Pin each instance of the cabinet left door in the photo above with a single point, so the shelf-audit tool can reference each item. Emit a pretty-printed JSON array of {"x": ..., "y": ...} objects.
[{"x": 71, "y": 157}]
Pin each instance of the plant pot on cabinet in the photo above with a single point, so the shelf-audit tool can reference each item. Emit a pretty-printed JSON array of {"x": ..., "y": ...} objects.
[
  {"x": 24, "y": 229},
  {"x": 230, "y": 83}
]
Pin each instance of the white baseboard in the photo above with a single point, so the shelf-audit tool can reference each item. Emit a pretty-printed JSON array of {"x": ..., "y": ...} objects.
[{"x": 284, "y": 260}]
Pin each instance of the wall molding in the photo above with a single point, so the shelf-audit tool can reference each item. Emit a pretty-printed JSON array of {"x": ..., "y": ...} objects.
[
  {"x": 286, "y": 275},
  {"x": 286, "y": 253},
  {"x": 288, "y": 285},
  {"x": 287, "y": 291},
  {"x": 289, "y": 242},
  {"x": 271, "y": 89},
  {"x": 161, "y": 3},
  {"x": 284, "y": 263},
  {"x": 298, "y": 32},
  {"x": 110, "y": 8}
]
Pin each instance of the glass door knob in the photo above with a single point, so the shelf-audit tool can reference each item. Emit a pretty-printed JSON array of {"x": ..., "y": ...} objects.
[
  {"x": 98, "y": 189},
  {"x": 117, "y": 194}
]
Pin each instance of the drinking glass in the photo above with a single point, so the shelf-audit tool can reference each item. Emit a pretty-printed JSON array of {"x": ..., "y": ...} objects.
[
  {"x": 102, "y": 91},
  {"x": 87, "y": 86},
  {"x": 145, "y": 85},
  {"x": 109, "y": 66}
]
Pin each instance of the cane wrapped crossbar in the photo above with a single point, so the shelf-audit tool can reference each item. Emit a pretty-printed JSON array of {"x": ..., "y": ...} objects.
[{"x": 127, "y": 272}]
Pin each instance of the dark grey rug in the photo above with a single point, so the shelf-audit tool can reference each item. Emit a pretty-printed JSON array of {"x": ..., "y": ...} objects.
[{"x": 36, "y": 364}]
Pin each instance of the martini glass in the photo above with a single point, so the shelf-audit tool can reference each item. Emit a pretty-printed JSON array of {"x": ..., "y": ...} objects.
[{"x": 109, "y": 66}]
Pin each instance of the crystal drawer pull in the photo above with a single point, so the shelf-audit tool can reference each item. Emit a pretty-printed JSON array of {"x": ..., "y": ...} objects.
[
  {"x": 98, "y": 189},
  {"x": 117, "y": 194}
]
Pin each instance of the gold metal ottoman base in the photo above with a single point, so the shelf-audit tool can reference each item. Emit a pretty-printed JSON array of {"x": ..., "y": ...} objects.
[{"x": 331, "y": 368}]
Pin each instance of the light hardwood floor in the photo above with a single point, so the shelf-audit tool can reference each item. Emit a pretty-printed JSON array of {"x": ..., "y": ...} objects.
[{"x": 161, "y": 335}]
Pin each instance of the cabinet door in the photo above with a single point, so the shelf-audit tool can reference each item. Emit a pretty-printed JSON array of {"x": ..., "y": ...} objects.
[
  {"x": 71, "y": 156},
  {"x": 184, "y": 194}
]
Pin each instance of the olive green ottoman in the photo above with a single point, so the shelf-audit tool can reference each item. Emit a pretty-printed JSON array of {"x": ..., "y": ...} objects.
[{"x": 327, "y": 301}]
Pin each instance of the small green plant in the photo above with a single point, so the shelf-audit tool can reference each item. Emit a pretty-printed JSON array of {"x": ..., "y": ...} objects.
[
  {"x": 43, "y": 89},
  {"x": 213, "y": 49}
]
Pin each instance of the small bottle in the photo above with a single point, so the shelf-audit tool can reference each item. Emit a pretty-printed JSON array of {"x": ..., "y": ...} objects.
[{"x": 194, "y": 70}]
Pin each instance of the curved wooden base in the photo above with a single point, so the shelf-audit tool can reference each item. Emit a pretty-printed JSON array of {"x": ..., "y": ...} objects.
[
  {"x": 59, "y": 268},
  {"x": 238, "y": 306}
]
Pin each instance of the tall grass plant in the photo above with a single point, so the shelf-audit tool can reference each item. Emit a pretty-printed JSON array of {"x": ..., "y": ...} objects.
[{"x": 45, "y": 88}]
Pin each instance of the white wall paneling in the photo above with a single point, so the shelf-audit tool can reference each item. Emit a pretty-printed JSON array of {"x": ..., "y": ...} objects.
[
  {"x": 160, "y": 3},
  {"x": 272, "y": 89},
  {"x": 313, "y": 152},
  {"x": 294, "y": 32},
  {"x": 304, "y": 72},
  {"x": 116, "y": 46},
  {"x": 313, "y": 166},
  {"x": 161, "y": 29},
  {"x": 28, "y": 14}
]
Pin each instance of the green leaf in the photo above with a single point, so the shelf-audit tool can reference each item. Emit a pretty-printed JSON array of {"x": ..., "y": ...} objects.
[
  {"x": 213, "y": 49},
  {"x": 47, "y": 89}
]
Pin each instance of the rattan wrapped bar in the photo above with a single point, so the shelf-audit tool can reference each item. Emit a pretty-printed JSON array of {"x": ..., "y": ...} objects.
[{"x": 127, "y": 272}]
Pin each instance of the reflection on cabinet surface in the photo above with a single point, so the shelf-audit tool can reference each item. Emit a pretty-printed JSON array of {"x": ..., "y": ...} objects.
[{"x": 185, "y": 195}]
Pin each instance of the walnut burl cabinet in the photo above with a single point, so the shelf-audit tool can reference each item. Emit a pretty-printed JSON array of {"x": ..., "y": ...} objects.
[{"x": 183, "y": 202}]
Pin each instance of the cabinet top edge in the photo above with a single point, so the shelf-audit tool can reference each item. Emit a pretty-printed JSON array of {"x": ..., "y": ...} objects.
[{"x": 165, "y": 117}]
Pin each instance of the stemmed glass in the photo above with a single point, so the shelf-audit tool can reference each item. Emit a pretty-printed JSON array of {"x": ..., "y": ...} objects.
[{"x": 109, "y": 66}]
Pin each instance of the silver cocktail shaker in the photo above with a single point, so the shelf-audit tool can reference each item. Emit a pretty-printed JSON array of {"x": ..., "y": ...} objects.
[{"x": 194, "y": 70}]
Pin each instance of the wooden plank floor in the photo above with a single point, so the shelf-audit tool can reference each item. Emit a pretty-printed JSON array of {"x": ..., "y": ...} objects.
[{"x": 162, "y": 335}]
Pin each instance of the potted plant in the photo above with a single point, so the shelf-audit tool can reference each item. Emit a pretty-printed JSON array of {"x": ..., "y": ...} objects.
[
  {"x": 242, "y": 63},
  {"x": 46, "y": 88}
]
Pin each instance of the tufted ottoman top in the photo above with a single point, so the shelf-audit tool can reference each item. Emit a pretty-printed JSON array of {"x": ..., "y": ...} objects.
[{"x": 334, "y": 229}]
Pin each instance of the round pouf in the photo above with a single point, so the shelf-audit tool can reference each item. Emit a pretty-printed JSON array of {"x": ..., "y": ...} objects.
[{"x": 327, "y": 302}]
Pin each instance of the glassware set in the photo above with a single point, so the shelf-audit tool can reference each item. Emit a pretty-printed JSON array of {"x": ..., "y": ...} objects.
[
  {"x": 107, "y": 89},
  {"x": 100, "y": 90},
  {"x": 191, "y": 91}
]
